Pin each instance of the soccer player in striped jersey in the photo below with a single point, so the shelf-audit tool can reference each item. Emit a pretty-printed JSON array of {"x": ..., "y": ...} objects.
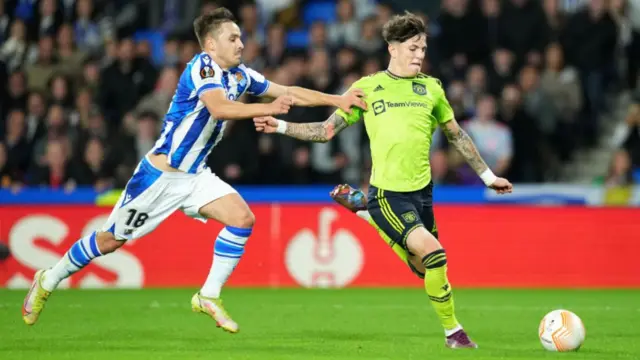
[{"x": 174, "y": 176}]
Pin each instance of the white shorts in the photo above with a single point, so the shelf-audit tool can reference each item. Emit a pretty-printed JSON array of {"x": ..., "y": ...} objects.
[{"x": 151, "y": 195}]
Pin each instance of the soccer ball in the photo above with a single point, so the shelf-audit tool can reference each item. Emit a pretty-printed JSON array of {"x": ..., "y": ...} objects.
[{"x": 561, "y": 330}]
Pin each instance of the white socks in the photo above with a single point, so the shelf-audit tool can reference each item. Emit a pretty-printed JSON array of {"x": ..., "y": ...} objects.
[
  {"x": 364, "y": 214},
  {"x": 227, "y": 252},
  {"x": 77, "y": 257}
]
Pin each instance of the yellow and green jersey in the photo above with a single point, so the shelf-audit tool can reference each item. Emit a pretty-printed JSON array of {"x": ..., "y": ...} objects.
[{"x": 402, "y": 115}]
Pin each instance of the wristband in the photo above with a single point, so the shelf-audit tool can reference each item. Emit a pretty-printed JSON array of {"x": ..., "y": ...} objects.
[
  {"x": 282, "y": 127},
  {"x": 488, "y": 177}
]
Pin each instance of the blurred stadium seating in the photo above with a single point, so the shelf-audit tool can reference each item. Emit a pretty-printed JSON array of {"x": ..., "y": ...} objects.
[
  {"x": 97, "y": 76},
  {"x": 86, "y": 83}
]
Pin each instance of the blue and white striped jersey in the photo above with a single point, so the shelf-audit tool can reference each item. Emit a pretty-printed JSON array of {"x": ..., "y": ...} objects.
[{"x": 189, "y": 132}]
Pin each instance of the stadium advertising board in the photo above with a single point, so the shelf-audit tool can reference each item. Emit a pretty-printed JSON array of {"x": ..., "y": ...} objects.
[{"x": 325, "y": 246}]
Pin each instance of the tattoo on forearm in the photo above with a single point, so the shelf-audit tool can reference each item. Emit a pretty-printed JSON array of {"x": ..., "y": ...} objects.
[
  {"x": 318, "y": 131},
  {"x": 463, "y": 143}
]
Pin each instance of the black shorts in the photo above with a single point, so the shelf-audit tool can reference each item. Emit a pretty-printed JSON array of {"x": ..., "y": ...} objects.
[{"x": 399, "y": 213}]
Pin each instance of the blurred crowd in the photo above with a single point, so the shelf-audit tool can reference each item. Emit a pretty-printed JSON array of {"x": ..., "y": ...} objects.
[{"x": 85, "y": 91}]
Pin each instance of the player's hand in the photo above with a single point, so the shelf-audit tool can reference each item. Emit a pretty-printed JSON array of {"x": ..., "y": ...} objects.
[
  {"x": 265, "y": 124},
  {"x": 502, "y": 186},
  {"x": 281, "y": 105},
  {"x": 353, "y": 97}
]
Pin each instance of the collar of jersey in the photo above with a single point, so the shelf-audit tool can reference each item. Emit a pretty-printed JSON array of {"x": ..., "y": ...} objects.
[{"x": 396, "y": 77}]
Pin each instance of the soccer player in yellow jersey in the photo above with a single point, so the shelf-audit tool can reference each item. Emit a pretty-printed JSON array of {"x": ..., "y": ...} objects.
[{"x": 404, "y": 107}]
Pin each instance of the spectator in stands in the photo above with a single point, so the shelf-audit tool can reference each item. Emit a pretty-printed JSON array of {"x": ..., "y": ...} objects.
[
  {"x": 252, "y": 55},
  {"x": 476, "y": 86},
  {"x": 370, "y": 43},
  {"x": 44, "y": 65},
  {"x": 35, "y": 117},
  {"x": 346, "y": 30},
  {"x": 98, "y": 128},
  {"x": 70, "y": 57},
  {"x": 538, "y": 105},
  {"x": 502, "y": 72},
  {"x": 84, "y": 105},
  {"x": 463, "y": 37},
  {"x": 384, "y": 12},
  {"x": 16, "y": 143},
  {"x": 17, "y": 91},
  {"x": 250, "y": 23},
  {"x": 318, "y": 36},
  {"x": 171, "y": 51},
  {"x": 458, "y": 101},
  {"x": 525, "y": 163},
  {"x": 91, "y": 78},
  {"x": 276, "y": 38},
  {"x": 346, "y": 62},
  {"x": 536, "y": 101},
  {"x": 491, "y": 21},
  {"x": 556, "y": 19},
  {"x": 48, "y": 19},
  {"x": 627, "y": 134},
  {"x": 493, "y": 139},
  {"x": 15, "y": 49},
  {"x": 523, "y": 31},
  {"x": 146, "y": 134},
  {"x": 561, "y": 84},
  {"x": 159, "y": 100},
  {"x": 620, "y": 173},
  {"x": 188, "y": 50},
  {"x": 57, "y": 127},
  {"x": 371, "y": 66},
  {"x": 125, "y": 82},
  {"x": 590, "y": 44},
  {"x": 92, "y": 170},
  {"x": 60, "y": 89},
  {"x": 56, "y": 171},
  {"x": 86, "y": 31},
  {"x": 110, "y": 53}
]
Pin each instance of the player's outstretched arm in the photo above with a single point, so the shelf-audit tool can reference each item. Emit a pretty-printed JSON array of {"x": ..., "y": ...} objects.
[
  {"x": 222, "y": 108},
  {"x": 315, "y": 132},
  {"x": 306, "y": 97},
  {"x": 465, "y": 146}
]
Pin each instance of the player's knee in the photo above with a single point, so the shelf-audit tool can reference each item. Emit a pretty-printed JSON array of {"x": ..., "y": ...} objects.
[
  {"x": 421, "y": 242},
  {"x": 107, "y": 242},
  {"x": 244, "y": 219}
]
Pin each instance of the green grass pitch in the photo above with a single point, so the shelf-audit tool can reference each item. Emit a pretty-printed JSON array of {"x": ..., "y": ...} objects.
[{"x": 301, "y": 324}]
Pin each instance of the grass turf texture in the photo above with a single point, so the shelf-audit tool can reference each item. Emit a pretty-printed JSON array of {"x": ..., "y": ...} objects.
[{"x": 305, "y": 324}]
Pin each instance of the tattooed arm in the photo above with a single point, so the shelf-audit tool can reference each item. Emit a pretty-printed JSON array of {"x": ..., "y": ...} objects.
[
  {"x": 465, "y": 146},
  {"x": 315, "y": 132}
]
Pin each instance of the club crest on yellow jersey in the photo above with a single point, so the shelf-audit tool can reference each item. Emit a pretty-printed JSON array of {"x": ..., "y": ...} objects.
[{"x": 419, "y": 89}]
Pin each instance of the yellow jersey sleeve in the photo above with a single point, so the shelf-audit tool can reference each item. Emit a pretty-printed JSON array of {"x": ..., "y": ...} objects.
[
  {"x": 442, "y": 111},
  {"x": 356, "y": 113}
]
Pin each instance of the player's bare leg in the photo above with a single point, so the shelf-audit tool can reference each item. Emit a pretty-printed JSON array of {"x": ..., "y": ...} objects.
[
  {"x": 79, "y": 255},
  {"x": 234, "y": 212}
]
